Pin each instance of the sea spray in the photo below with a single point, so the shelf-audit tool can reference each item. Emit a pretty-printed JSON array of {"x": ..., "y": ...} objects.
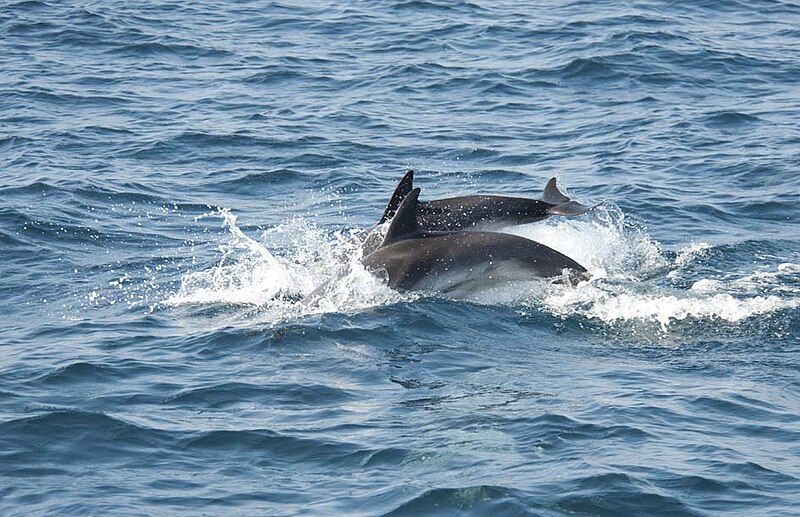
[
  {"x": 278, "y": 272},
  {"x": 633, "y": 279}
]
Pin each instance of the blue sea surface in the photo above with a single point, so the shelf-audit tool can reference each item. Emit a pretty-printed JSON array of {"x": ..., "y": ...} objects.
[{"x": 176, "y": 176}]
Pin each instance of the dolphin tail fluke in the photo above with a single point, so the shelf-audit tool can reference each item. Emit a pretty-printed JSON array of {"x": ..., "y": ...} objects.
[
  {"x": 400, "y": 192},
  {"x": 562, "y": 204}
]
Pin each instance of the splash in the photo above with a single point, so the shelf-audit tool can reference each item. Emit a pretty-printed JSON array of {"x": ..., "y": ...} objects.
[
  {"x": 605, "y": 243},
  {"x": 613, "y": 305},
  {"x": 634, "y": 280},
  {"x": 294, "y": 269},
  {"x": 297, "y": 269}
]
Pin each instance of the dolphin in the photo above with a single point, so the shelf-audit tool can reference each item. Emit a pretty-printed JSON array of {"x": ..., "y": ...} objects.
[
  {"x": 483, "y": 212},
  {"x": 414, "y": 258}
]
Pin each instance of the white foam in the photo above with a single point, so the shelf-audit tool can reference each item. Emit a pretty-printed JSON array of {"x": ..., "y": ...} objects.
[
  {"x": 706, "y": 285},
  {"x": 784, "y": 279},
  {"x": 604, "y": 243},
  {"x": 626, "y": 265},
  {"x": 248, "y": 273},
  {"x": 688, "y": 254},
  {"x": 281, "y": 273},
  {"x": 661, "y": 306}
]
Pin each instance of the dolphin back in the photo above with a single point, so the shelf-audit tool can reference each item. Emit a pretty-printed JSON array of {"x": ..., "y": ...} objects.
[{"x": 470, "y": 212}]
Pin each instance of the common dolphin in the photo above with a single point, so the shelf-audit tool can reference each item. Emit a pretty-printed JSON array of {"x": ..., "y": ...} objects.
[
  {"x": 483, "y": 212},
  {"x": 417, "y": 259}
]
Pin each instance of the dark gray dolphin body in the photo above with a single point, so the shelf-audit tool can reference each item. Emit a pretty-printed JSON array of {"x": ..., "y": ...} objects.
[
  {"x": 416, "y": 259},
  {"x": 483, "y": 212}
]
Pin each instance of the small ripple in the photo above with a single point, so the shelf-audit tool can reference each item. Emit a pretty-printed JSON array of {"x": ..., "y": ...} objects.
[
  {"x": 44, "y": 438},
  {"x": 36, "y": 94},
  {"x": 477, "y": 500},
  {"x": 617, "y": 494},
  {"x": 740, "y": 409},
  {"x": 594, "y": 69},
  {"x": 554, "y": 431},
  {"x": 290, "y": 394},
  {"x": 9, "y": 240},
  {"x": 173, "y": 49},
  {"x": 37, "y": 188},
  {"x": 272, "y": 447},
  {"x": 730, "y": 120},
  {"x": 280, "y": 74},
  {"x": 80, "y": 372},
  {"x": 27, "y": 28},
  {"x": 28, "y": 5},
  {"x": 268, "y": 179},
  {"x": 32, "y": 472},
  {"x": 85, "y": 372},
  {"x": 7, "y": 395},
  {"x": 696, "y": 484},
  {"x": 433, "y": 6}
]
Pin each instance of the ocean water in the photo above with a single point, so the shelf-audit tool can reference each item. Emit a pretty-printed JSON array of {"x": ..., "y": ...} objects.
[{"x": 176, "y": 176}]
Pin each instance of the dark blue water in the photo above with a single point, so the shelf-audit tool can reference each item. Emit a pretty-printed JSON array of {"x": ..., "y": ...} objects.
[{"x": 175, "y": 176}]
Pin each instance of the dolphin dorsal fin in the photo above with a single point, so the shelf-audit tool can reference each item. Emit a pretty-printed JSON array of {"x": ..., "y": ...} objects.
[
  {"x": 404, "y": 224},
  {"x": 400, "y": 193},
  {"x": 552, "y": 195},
  {"x": 561, "y": 203}
]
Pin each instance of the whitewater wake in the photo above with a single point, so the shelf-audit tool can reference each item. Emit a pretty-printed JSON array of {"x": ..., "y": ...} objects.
[
  {"x": 296, "y": 269},
  {"x": 278, "y": 272}
]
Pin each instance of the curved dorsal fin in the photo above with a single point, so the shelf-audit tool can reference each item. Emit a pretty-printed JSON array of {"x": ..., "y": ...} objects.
[
  {"x": 404, "y": 224},
  {"x": 552, "y": 195},
  {"x": 400, "y": 192},
  {"x": 561, "y": 203}
]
